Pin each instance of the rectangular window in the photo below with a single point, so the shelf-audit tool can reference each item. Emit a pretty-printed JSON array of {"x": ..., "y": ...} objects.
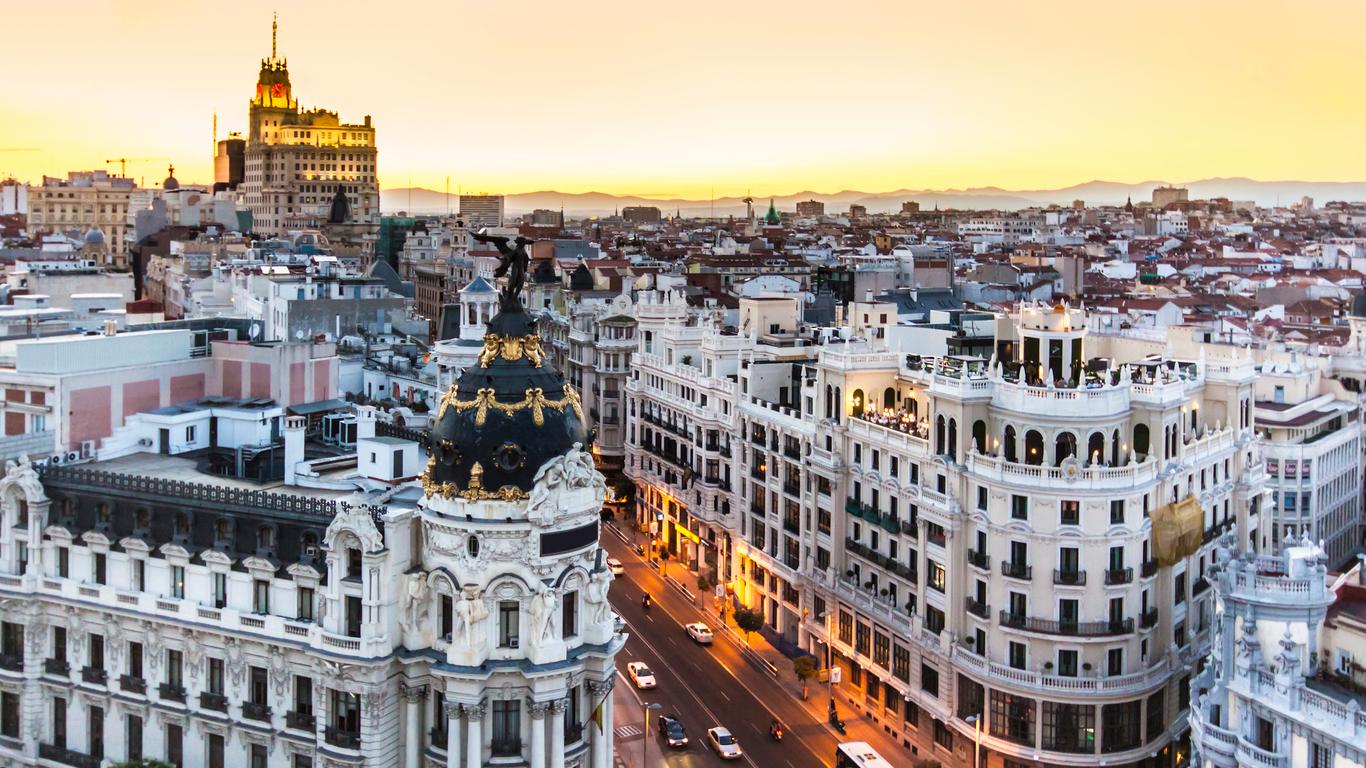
[
  {"x": 1019, "y": 507},
  {"x": 257, "y": 691},
  {"x": 216, "y": 676},
  {"x": 901, "y": 663},
  {"x": 569, "y": 614},
  {"x": 63, "y": 562},
  {"x": 1067, "y": 663},
  {"x": 507, "y": 729},
  {"x": 173, "y": 669},
  {"x": 1117, "y": 512},
  {"x": 929, "y": 679},
  {"x": 178, "y": 581},
  {"x": 1012, "y": 718},
  {"x": 305, "y": 604},
  {"x": 215, "y": 750},
  {"x": 59, "y": 722},
  {"x": 259, "y": 756},
  {"x": 934, "y": 619},
  {"x": 936, "y": 574},
  {"x": 1120, "y": 726},
  {"x": 260, "y": 596},
  {"x": 881, "y": 649},
  {"x": 303, "y": 694},
  {"x": 133, "y": 737},
  {"x": 175, "y": 745},
  {"x": 1114, "y": 661},
  {"x": 1069, "y": 512},
  {"x": 942, "y": 735},
  {"x": 507, "y": 624},
  {"x": 982, "y": 497},
  {"x": 861, "y": 639},
  {"x": 99, "y": 568},
  {"x": 1018, "y": 655},
  {"x": 1157, "y": 720},
  {"x": 1069, "y": 727},
  {"x": 846, "y": 628},
  {"x": 970, "y": 697},
  {"x": 220, "y": 590},
  {"x": 9, "y": 714},
  {"x": 139, "y": 575}
]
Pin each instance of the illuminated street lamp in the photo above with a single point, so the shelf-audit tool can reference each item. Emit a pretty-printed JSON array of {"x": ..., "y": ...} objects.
[
  {"x": 645, "y": 743},
  {"x": 976, "y": 721}
]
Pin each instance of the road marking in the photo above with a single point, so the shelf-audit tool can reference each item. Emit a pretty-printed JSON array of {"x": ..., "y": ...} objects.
[
  {"x": 626, "y": 731},
  {"x": 723, "y": 693}
]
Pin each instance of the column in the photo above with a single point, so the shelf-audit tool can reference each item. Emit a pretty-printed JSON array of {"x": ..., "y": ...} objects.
[
  {"x": 452, "y": 714},
  {"x": 557, "y": 732},
  {"x": 412, "y": 747},
  {"x": 537, "y": 710},
  {"x": 474, "y": 735},
  {"x": 601, "y": 695}
]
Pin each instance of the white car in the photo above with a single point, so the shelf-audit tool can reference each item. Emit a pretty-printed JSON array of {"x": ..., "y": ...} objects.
[
  {"x": 614, "y": 565},
  {"x": 699, "y": 632},
  {"x": 640, "y": 674},
  {"x": 724, "y": 743}
]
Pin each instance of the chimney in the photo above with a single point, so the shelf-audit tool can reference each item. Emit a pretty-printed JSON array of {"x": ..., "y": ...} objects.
[
  {"x": 111, "y": 327},
  {"x": 365, "y": 422},
  {"x": 294, "y": 445}
]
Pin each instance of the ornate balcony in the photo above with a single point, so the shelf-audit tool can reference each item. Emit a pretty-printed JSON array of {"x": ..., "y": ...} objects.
[
  {"x": 980, "y": 610},
  {"x": 131, "y": 684},
  {"x": 1016, "y": 570},
  {"x": 94, "y": 676},
  {"x": 1114, "y": 576},
  {"x": 1068, "y": 628},
  {"x": 340, "y": 738},
  {"x": 1148, "y": 619},
  {"x": 170, "y": 692},
  {"x": 56, "y": 667},
  {"x": 301, "y": 721},
  {"x": 215, "y": 701},
  {"x": 979, "y": 560},
  {"x": 256, "y": 711},
  {"x": 1069, "y": 578}
]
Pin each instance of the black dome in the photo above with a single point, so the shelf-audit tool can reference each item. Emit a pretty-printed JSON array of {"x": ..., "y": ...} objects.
[
  {"x": 503, "y": 419},
  {"x": 341, "y": 208},
  {"x": 581, "y": 279},
  {"x": 1359, "y": 304}
]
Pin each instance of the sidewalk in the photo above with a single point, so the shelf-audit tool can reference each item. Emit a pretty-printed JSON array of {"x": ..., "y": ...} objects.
[
  {"x": 859, "y": 725},
  {"x": 629, "y": 730}
]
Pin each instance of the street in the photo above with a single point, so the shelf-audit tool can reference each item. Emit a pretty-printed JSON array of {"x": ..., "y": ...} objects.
[{"x": 704, "y": 686}]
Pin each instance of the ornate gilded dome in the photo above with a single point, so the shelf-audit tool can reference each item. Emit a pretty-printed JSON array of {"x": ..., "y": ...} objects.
[{"x": 503, "y": 418}]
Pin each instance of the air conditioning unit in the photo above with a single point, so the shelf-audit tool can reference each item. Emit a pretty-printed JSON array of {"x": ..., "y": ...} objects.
[
  {"x": 72, "y": 456},
  {"x": 87, "y": 449},
  {"x": 145, "y": 442},
  {"x": 55, "y": 459}
]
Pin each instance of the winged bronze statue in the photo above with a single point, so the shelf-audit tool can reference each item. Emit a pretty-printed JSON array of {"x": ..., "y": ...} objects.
[{"x": 513, "y": 261}]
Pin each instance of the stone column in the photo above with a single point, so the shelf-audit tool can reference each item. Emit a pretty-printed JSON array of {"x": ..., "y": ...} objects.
[
  {"x": 557, "y": 732},
  {"x": 412, "y": 747},
  {"x": 601, "y": 691},
  {"x": 537, "y": 710},
  {"x": 452, "y": 714},
  {"x": 474, "y": 735}
]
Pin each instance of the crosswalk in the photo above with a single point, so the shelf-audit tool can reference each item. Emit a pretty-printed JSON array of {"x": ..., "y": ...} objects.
[{"x": 627, "y": 731}]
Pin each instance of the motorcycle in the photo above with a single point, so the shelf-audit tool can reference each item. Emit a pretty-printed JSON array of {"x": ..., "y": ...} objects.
[
  {"x": 775, "y": 731},
  {"x": 645, "y": 602}
]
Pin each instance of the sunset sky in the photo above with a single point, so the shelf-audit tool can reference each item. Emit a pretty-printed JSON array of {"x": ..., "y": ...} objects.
[{"x": 685, "y": 97}]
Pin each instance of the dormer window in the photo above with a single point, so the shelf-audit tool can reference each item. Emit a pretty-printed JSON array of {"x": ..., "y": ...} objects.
[
  {"x": 222, "y": 532},
  {"x": 265, "y": 538},
  {"x": 181, "y": 525},
  {"x": 142, "y": 520},
  {"x": 353, "y": 562}
]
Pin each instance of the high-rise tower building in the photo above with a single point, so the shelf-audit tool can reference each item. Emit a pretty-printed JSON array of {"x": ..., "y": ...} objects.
[{"x": 297, "y": 161}]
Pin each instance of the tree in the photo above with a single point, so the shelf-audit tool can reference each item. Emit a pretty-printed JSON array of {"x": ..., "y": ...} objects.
[
  {"x": 748, "y": 621},
  {"x": 804, "y": 667}
]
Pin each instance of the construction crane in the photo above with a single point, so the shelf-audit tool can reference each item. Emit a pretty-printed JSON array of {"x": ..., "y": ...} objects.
[{"x": 124, "y": 161}]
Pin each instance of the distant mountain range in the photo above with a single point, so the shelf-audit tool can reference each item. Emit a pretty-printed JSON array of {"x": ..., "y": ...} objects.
[{"x": 1266, "y": 193}]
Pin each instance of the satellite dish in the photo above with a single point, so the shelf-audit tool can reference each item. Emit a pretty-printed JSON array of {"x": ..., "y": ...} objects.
[{"x": 254, "y": 331}]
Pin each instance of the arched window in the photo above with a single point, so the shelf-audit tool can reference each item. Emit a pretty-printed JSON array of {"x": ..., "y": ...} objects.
[
  {"x": 913, "y": 406},
  {"x": 1008, "y": 446},
  {"x": 1114, "y": 449},
  {"x": 939, "y": 434},
  {"x": 839, "y": 405},
  {"x": 472, "y": 546},
  {"x": 889, "y": 397},
  {"x": 1033, "y": 452},
  {"x": 1095, "y": 448},
  {"x": 829, "y": 400},
  {"x": 979, "y": 436},
  {"x": 1141, "y": 439},
  {"x": 858, "y": 403},
  {"x": 1065, "y": 445},
  {"x": 309, "y": 544},
  {"x": 953, "y": 437}
]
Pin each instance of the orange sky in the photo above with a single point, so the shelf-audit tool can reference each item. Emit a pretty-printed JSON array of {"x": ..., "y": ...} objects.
[{"x": 686, "y": 97}]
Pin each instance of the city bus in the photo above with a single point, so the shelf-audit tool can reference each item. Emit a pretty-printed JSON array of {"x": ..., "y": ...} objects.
[{"x": 857, "y": 754}]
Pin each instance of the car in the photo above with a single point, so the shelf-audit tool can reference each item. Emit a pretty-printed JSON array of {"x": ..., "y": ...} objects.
[
  {"x": 724, "y": 743},
  {"x": 614, "y": 565},
  {"x": 671, "y": 731},
  {"x": 699, "y": 632},
  {"x": 640, "y": 674}
]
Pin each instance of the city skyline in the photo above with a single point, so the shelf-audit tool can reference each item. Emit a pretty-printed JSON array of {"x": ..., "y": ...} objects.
[{"x": 776, "y": 101}]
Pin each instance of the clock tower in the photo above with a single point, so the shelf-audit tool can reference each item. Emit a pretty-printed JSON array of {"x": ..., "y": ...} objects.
[{"x": 274, "y": 95}]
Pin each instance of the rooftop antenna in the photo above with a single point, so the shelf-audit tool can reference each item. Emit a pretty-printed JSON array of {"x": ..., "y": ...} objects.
[
  {"x": 274, "y": 24},
  {"x": 713, "y": 201},
  {"x": 448, "y": 195}
]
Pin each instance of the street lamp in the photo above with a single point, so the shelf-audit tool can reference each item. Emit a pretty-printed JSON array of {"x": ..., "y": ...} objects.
[
  {"x": 645, "y": 743},
  {"x": 829, "y": 661},
  {"x": 976, "y": 721}
]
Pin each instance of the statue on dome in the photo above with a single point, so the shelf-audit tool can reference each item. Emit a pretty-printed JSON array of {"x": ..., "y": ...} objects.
[{"x": 513, "y": 261}]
